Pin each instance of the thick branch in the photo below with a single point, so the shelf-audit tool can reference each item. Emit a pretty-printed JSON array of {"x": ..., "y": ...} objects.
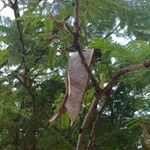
[
  {"x": 88, "y": 118},
  {"x": 11, "y": 3},
  {"x": 92, "y": 134},
  {"x": 85, "y": 123},
  {"x": 124, "y": 71},
  {"x": 17, "y": 15},
  {"x": 76, "y": 29},
  {"x": 26, "y": 78},
  {"x": 77, "y": 46}
]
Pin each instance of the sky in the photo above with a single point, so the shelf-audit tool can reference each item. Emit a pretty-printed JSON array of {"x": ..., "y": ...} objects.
[{"x": 8, "y": 12}]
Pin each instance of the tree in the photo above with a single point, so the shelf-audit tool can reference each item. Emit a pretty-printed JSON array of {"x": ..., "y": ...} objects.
[{"x": 35, "y": 48}]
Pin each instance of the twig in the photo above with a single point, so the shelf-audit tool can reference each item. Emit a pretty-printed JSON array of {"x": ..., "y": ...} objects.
[
  {"x": 91, "y": 138},
  {"x": 5, "y": 5},
  {"x": 109, "y": 71},
  {"x": 110, "y": 33},
  {"x": 11, "y": 3}
]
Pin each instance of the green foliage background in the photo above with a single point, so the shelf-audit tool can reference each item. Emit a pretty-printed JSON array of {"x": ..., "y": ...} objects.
[{"x": 32, "y": 71}]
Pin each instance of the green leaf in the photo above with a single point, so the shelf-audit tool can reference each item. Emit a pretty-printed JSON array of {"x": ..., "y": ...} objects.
[
  {"x": 99, "y": 43},
  {"x": 49, "y": 25},
  {"x": 65, "y": 120},
  {"x": 52, "y": 57}
]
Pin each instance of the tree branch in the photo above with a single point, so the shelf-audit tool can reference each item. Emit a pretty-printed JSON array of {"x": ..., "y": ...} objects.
[
  {"x": 76, "y": 45},
  {"x": 88, "y": 118},
  {"x": 17, "y": 15},
  {"x": 111, "y": 83},
  {"x": 26, "y": 78},
  {"x": 111, "y": 32},
  {"x": 27, "y": 81},
  {"x": 124, "y": 71},
  {"x": 86, "y": 121},
  {"x": 91, "y": 138},
  {"x": 11, "y": 3}
]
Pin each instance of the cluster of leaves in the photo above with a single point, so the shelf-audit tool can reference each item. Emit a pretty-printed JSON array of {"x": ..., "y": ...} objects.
[{"x": 30, "y": 54}]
